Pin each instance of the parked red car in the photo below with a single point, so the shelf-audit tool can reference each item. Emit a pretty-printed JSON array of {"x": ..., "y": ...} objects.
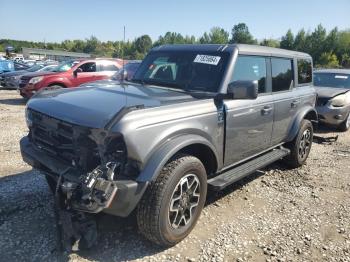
[{"x": 70, "y": 73}]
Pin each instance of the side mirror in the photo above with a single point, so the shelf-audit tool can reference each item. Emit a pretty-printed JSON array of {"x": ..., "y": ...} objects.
[
  {"x": 76, "y": 71},
  {"x": 243, "y": 89}
]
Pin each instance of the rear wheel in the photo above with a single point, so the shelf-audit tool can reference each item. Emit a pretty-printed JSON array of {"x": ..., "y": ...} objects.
[
  {"x": 300, "y": 147},
  {"x": 172, "y": 204},
  {"x": 345, "y": 125}
]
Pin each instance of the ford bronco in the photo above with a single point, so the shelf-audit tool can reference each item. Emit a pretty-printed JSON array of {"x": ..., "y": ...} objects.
[{"x": 194, "y": 117}]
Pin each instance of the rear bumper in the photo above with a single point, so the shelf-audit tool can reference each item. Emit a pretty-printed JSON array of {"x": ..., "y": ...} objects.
[
  {"x": 127, "y": 194},
  {"x": 332, "y": 115}
]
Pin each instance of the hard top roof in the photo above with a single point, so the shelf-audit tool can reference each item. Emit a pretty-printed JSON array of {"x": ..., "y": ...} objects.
[
  {"x": 242, "y": 48},
  {"x": 333, "y": 71}
]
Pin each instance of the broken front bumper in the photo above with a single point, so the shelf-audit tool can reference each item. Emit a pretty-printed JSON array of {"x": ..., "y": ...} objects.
[{"x": 121, "y": 200}]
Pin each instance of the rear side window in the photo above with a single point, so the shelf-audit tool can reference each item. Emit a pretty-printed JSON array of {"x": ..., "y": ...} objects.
[
  {"x": 304, "y": 71},
  {"x": 108, "y": 67},
  {"x": 282, "y": 74},
  {"x": 251, "y": 68}
]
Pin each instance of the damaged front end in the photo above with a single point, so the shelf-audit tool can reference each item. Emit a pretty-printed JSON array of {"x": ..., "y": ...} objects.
[{"x": 87, "y": 169}]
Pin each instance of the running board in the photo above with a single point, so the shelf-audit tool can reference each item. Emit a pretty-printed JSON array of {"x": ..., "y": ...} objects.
[{"x": 227, "y": 178}]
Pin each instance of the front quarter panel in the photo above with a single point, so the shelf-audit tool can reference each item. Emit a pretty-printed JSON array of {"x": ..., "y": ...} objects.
[{"x": 155, "y": 134}]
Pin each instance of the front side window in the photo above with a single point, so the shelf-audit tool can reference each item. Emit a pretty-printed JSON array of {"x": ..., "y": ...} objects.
[
  {"x": 332, "y": 80},
  {"x": 304, "y": 71},
  {"x": 251, "y": 68},
  {"x": 186, "y": 70},
  {"x": 88, "y": 67},
  {"x": 282, "y": 74}
]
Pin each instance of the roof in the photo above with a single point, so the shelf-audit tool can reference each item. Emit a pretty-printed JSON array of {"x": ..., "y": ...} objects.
[
  {"x": 243, "y": 48},
  {"x": 334, "y": 71}
]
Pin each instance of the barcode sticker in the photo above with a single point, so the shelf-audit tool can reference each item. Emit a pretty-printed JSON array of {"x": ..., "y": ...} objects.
[{"x": 207, "y": 59}]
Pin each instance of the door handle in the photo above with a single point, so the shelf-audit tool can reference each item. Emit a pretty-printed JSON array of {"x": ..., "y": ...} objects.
[
  {"x": 295, "y": 103},
  {"x": 266, "y": 110}
]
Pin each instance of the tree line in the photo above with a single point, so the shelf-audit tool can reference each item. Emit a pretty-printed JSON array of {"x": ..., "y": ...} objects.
[{"x": 328, "y": 49}]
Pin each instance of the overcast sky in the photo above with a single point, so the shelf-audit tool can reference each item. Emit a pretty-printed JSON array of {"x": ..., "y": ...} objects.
[{"x": 54, "y": 21}]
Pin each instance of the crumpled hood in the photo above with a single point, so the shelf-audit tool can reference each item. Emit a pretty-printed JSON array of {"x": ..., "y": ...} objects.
[
  {"x": 329, "y": 92},
  {"x": 95, "y": 106}
]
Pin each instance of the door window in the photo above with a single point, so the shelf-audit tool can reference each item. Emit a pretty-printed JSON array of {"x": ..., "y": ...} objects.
[
  {"x": 107, "y": 66},
  {"x": 304, "y": 71},
  {"x": 251, "y": 68},
  {"x": 88, "y": 67},
  {"x": 282, "y": 74}
]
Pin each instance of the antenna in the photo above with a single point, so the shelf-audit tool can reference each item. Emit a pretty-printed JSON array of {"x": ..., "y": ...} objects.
[{"x": 123, "y": 46}]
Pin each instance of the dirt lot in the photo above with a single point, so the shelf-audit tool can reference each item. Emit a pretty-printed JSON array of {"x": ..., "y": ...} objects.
[{"x": 273, "y": 215}]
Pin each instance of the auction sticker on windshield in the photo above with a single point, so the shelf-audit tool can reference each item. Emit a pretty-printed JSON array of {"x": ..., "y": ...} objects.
[{"x": 207, "y": 59}]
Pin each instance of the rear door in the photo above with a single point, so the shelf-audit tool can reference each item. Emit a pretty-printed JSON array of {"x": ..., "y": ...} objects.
[
  {"x": 249, "y": 122},
  {"x": 87, "y": 74},
  {"x": 106, "y": 69},
  {"x": 285, "y": 98}
]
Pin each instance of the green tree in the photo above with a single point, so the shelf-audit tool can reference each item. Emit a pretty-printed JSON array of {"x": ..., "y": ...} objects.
[
  {"x": 216, "y": 35},
  {"x": 241, "y": 35},
  {"x": 143, "y": 44},
  {"x": 287, "y": 41},
  {"x": 329, "y": 60},
  {"x": 300, "y": 43},
  {"x": 270, "y": 42}
]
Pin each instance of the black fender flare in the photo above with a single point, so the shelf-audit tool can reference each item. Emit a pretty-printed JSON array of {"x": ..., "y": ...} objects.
[
  {"x": 307, "y": 112},
  {"x": 161, "y": 156}
]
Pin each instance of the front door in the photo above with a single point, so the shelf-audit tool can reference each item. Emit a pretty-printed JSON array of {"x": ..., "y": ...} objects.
[
  {"x": 85, "y": 73},
  {"x": 249, "y": 122}
]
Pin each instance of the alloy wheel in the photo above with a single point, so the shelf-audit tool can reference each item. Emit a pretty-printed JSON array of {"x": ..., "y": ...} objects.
[{"x": 184, "y": 201}]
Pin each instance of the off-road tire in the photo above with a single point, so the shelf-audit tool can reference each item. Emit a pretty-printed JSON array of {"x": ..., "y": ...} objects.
[
  {"x": 153, "y": 209},
  {"x": 294, "y": 159},
  {"x": 343, "y": 127}
]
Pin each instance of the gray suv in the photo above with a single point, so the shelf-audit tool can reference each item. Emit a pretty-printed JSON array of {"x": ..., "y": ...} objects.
[{"x": 193, "y": 117}]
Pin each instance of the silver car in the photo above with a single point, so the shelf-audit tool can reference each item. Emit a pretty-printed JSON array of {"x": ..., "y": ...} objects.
[{"x": 333, "y": 102}]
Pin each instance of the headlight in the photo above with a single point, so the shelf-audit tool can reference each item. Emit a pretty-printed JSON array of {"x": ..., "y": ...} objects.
[
  {"x": 28, "y": 116},
  {"x": 341, "y": 100},
  {"x": 35, "y": 80}
]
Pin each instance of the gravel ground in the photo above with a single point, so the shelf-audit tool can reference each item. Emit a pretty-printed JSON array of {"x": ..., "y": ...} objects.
[{"x": 274, "y": 215}]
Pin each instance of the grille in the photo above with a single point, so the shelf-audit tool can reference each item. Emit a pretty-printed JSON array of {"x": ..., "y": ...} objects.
[
  {"x": 63, "y": 140},
  {"x": 321, "y": 101}
]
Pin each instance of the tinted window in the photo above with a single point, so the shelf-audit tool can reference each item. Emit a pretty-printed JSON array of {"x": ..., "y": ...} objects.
[
  {"x": 332, "y": 80},
  {"x": 282, "y": 74},
  {"x": 88, "y": 67},
  {"x": 251, "y": 68},
  {"x": 187, "y": 70},
  {"x": 304, "y": 71}
]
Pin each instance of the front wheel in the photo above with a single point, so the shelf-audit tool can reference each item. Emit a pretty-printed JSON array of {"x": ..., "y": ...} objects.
[
  {"x": 300, "y": 147},
  {"x": 173, "y": 203}
]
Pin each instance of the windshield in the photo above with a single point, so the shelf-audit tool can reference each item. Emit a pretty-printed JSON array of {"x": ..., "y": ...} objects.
[
  {"x": 34, "y": 68},
  {"x": 185, "y": 70},
  {"x": 49, "y": 68},
  {"x": 65, "y": 66},
  {"x": 332, "y": 80}
]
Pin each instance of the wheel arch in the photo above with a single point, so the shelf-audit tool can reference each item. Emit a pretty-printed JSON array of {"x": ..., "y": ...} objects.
[
  {"x": 187, "y": 144},
  {"x": 57, "y": 84},
  {"x": 308, "y": 113}
]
